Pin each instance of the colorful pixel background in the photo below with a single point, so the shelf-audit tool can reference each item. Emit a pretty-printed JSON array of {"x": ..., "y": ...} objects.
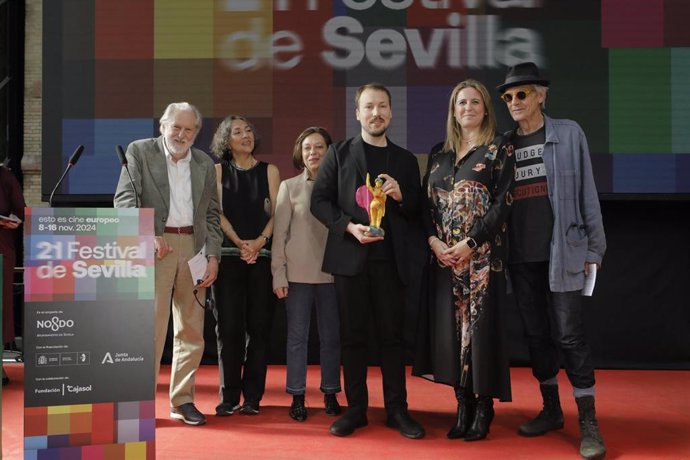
[
  {"x": 130, "y": 231},
  {"x": 621, "y": 68},
  {"x": 122, "y": 430}
]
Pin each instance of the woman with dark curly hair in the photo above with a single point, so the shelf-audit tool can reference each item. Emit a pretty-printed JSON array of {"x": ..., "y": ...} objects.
[{"x": 244, "y": 303}]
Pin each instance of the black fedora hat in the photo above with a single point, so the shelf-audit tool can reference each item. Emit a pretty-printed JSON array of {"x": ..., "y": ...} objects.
[{"x": 522, "y": 74}]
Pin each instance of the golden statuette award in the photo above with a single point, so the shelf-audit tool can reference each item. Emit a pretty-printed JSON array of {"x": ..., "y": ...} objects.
[{"x": 373, "y": 200}]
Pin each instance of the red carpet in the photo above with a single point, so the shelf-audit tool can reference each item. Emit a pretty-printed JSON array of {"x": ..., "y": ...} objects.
[{"x": 642, "y": 414}]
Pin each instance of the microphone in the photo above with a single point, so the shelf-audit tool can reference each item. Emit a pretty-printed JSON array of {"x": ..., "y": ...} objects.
[
  {"x": 75, "y": 156},
  {"x": 123, "y": 161},
  {"x": 71, "y": 162},
  {"x": 121, "y": 155}
]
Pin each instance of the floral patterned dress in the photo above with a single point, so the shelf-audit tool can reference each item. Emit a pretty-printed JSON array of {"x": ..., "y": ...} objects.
[{"x": 470, "y": 198}]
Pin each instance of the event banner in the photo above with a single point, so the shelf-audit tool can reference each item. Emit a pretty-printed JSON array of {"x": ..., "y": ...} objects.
[
  {"x": 619, "y": 68},
  {"x": 89, "y": 387}
]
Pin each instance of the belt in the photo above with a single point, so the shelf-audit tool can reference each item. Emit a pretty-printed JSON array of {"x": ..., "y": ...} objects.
[{"x": 179, "y": 230}]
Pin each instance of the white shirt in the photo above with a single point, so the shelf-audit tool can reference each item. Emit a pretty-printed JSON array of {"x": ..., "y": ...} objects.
[{"x": 181, "y": 212}]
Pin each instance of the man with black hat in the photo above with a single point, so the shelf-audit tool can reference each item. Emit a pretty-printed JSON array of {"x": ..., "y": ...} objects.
[{"x": 556, "y": 239}]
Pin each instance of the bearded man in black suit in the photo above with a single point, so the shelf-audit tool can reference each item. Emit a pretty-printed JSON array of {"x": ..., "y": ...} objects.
[{"x": 370, "y": 271}]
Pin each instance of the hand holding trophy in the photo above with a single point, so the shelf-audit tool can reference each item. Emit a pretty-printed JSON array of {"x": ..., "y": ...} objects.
[{"x": 373, "y": 200}]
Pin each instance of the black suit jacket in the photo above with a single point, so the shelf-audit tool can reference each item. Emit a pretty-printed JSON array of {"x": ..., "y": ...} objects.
[{"x": 342, "y": 171}]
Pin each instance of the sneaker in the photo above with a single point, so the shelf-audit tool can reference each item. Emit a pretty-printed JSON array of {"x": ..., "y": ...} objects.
[
  {"x": 188, "y": 413},
  {"x": 226, "y": 409},
  {"x": 330, "y": 401},
  {"x": 250, "y": 408}
]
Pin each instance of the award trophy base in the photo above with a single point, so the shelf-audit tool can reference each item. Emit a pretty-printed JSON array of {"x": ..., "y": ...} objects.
[{"x": 376, "y": 231}]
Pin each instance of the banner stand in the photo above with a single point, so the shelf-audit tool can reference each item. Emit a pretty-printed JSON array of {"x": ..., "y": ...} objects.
[{"x": 89, "y": 389}]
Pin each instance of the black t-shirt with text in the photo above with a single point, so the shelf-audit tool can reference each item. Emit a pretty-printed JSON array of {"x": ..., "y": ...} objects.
[{"x": 531, "y": 219}]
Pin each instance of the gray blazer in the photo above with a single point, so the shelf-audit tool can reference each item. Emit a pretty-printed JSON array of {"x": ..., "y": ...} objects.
[{"x": 147, "y": 165}]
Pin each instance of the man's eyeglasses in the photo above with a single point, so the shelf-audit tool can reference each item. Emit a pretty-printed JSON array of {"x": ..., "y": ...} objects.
[{"x": 521, "y": 95}]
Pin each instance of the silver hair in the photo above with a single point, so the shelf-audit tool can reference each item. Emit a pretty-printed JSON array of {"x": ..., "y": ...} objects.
[
  {"x": 171, "y": 110},
  {"x": 542, "y": 90}
]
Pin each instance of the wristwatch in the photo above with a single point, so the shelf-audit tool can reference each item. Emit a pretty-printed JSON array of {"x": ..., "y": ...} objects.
[
  {"x": 471, "y": 243},
  {"x": 265, "y": 238}
]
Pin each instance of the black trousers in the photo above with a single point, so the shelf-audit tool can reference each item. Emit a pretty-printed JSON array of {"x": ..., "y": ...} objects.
[
  {"x": 244, "y": 315},
  {"x": 376, "y": 295},
  {"x": 540, "y": 308}
]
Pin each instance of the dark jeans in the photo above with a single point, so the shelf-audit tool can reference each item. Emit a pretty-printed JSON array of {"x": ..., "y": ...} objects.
[
  {"x": 374, "y": 296},
  {"x": 244, "y": 314},
  {"x": 301, "y": 300},
  {"x": 540, "y": 309}
]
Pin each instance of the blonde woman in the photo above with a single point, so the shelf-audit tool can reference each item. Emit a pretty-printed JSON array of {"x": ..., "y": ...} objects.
[{"x": 468, "y": 197}]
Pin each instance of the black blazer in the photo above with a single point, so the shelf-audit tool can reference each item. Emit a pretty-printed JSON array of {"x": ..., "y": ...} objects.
[{"x": 343, "y": 170}]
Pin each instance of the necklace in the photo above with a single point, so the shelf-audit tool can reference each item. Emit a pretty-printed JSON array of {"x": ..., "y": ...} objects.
[
  {"x": 252, "y": 163},
  {"x": 470, "y": 141},
  {"x": 470, "y": 145}
]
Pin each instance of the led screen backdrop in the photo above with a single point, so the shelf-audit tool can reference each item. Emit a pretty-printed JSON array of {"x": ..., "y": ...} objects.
[{"x": 621, "y": 68}]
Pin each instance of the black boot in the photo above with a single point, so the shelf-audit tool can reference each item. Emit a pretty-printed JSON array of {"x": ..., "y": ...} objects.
[
  {"x": 550, "y": 418},
  {"x": 482, "y": 419},
  {"x": 298, "y": 411},
  {"x": 591, "y": 444},
  {"x": 467, "y": 405},
  {"x": 330, "y": 402}
]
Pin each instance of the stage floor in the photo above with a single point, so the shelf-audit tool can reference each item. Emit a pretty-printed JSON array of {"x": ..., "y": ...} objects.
[{"x": 642, "y": 415}]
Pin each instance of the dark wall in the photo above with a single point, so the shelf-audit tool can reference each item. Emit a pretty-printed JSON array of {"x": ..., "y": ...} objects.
[{"x": 639, "y": 316}]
